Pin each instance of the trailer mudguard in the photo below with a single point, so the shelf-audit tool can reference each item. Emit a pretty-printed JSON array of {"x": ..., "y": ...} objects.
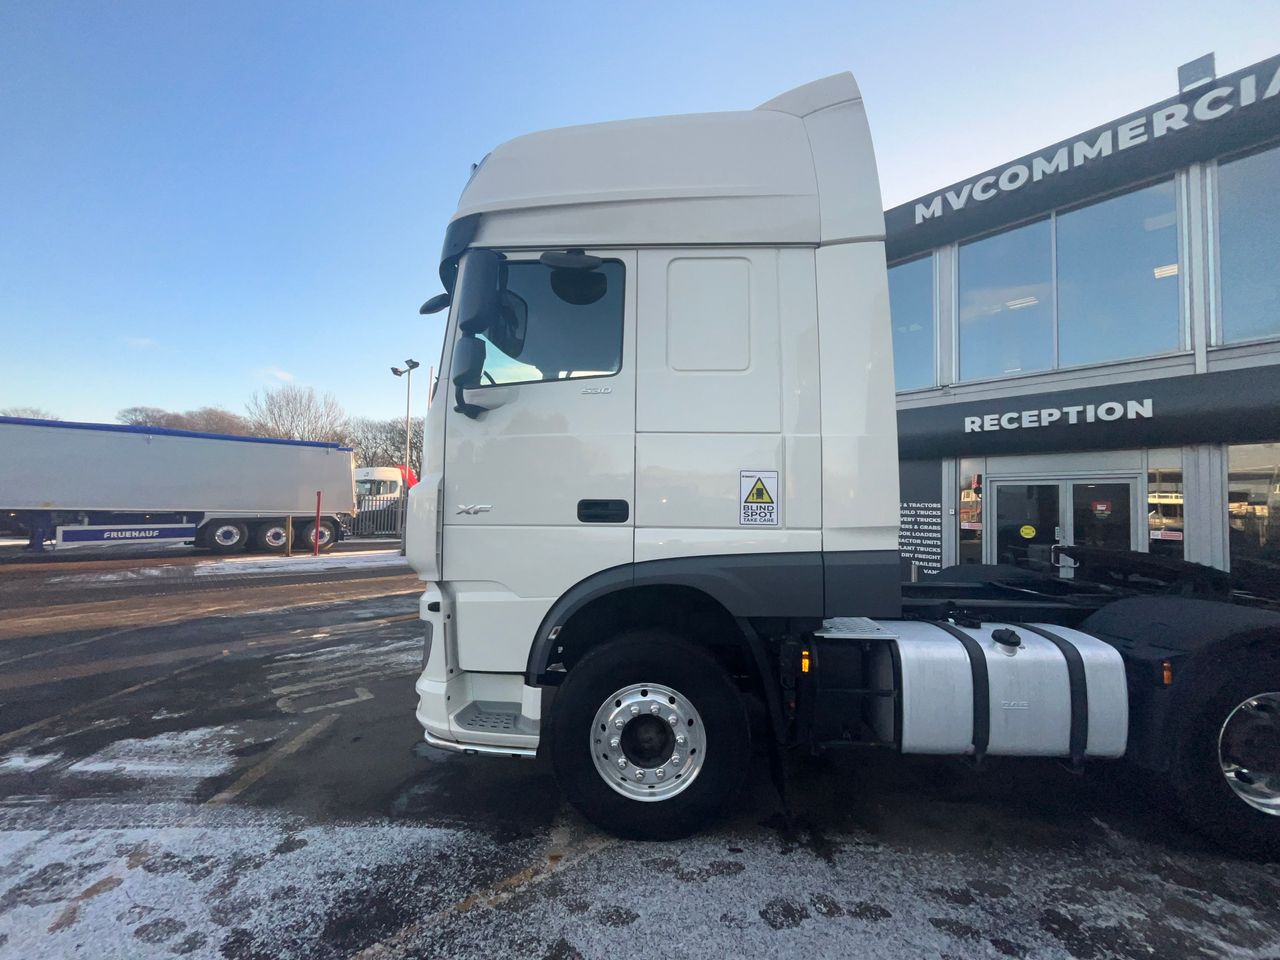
[{"x": 1190, "y": 635}]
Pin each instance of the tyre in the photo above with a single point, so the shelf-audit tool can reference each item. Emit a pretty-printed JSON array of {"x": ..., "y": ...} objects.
[
  {"x": 328, "y": 536},
  {"x": 1226, "y": 772},
  {"x": 271, "y": 536},
  {"x": 649, "y": 737},
  {"x": 226, "y": 536}
]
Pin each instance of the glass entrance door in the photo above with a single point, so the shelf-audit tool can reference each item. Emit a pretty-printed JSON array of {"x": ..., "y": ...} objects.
[
  {"x": 1030, "y": 517},
  {"x": 1101, "y": 515},
  {"x": 1028, "y": 523}
]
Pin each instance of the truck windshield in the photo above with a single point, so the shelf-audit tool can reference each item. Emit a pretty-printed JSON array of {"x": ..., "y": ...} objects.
[{"x": 553, "y": 324}]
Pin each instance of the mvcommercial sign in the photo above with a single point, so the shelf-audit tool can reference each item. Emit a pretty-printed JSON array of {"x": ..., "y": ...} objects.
[
  {"x": 1228, "y": 113},
  {"x": 1231, "y": 406}
]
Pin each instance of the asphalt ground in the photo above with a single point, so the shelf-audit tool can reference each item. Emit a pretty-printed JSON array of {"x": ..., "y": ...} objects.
[{"x": 228, "y": 765}]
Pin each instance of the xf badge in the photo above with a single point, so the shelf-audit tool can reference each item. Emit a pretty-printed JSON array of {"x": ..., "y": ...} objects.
[{"x": 474, "y": 508}]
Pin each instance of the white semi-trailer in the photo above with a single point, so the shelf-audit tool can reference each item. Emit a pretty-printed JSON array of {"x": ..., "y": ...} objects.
[
  {"x": 666, "y": 480},
  {"x": 81, "y": 484}
]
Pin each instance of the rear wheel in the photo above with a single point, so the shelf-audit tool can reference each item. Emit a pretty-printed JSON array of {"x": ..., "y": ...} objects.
[
  {"x": 649, "y": 736},
  {"x": 271, "y": 536},
  {"x": 1226, "y": 775},
  {"x": 328, "y": 535},
  {"x": 226, "y": 536}
]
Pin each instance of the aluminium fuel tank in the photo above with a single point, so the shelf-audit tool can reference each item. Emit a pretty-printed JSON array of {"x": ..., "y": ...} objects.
[{"x": 1002, "y": 689}]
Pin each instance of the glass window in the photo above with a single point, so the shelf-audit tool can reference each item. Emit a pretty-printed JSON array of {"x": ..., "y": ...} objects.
[
  {"x": 1006, "y": 317},
  {"x": 911, "y": 307},
  {"x": 1118, "y": 277},
  {"x": 1253, "y": 516},
  {"x": 969, "y": 542},
  {"x": 555, "y": 324},
  {"x": 1166, "y": 515},
  {"x": 1249, "y": 245}
]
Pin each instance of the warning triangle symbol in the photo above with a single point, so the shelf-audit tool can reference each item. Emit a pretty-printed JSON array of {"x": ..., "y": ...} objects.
[{"x": 758, "y": 494}]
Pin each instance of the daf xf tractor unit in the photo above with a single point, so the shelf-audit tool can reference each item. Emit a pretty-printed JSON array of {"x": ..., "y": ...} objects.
[
  {"x": 102, "y": 484},
  {"x": 665, "y": 480}
]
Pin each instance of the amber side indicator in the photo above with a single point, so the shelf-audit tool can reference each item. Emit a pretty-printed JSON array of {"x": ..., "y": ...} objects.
[{"x": 1166, "y": 672}]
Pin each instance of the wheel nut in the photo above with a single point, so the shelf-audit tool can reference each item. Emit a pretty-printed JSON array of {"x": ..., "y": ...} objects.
[
  {"x": 660, "y": 773},
  {"x": 654, "y": 708},
  {"x": 681, "y": 740},
  {"x": 635, "y": 709},
  {"x": 673, "y": 720},
  {"x": 619, "y": 723},
  {"x": 639, "y": 774},
  {"x": 675, "y": 759},
  {"x": 622, "y": 763},
  {"x": 615, "y": 743}
]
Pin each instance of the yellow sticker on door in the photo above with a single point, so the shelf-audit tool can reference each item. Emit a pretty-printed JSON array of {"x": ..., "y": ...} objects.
[{"x": 758, "y": 498}]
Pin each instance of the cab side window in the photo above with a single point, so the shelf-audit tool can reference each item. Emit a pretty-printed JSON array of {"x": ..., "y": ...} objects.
[{"x": 556, "y": 324}]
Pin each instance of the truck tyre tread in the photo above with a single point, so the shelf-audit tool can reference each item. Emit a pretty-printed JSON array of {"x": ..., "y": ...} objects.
[
  {"x": 1201, "y": 793},
  {"x": 658, "y": 657}
]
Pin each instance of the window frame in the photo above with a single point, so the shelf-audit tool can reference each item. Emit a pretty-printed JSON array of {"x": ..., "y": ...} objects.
[
  {"x": 933, "y": 255},
  {"x": 622, "y": 338},
  {"x": 1184, "y": 344},
  {"x": 1213, "y": 253}
]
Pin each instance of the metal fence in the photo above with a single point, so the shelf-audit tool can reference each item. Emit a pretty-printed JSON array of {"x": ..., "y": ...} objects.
[{"x": 377, "y": 516}]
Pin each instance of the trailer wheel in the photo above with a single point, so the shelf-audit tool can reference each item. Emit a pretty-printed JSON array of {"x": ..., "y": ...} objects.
[
  {"x": 649, "y": 737},
  {"x": 327, "y": 535},
  {"x": 271, "y": 537},
  {"x": 226, "y": 536},
  {"x": 1226, "y": 775}
]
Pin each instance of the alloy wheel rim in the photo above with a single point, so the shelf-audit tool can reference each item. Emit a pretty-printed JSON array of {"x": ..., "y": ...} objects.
[
  {"x": 1249, "y": 752},
  {"x": 648, "y": 742}
]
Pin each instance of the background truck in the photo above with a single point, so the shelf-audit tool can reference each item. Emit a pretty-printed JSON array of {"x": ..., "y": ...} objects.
[
  {"x": 666, "y": 481},
  {"x": 81, "y": 484}
]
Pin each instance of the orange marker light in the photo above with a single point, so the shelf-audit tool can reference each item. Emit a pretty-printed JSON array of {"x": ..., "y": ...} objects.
[
  {"x": 804, "y": 661},
  {"x": 1166, "y": 672}
]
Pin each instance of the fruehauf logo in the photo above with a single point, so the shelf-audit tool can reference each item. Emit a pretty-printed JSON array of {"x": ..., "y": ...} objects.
[
  {"x": 1106, "y": 412},
  {"x": 1218, "y": 101}
]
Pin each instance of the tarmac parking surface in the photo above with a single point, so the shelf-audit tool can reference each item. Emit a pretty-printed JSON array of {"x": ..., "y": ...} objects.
[{"x": 227, "y": 765}]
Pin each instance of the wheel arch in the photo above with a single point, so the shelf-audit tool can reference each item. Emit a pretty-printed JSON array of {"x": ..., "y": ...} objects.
[{"x": 1195, "y": 637}]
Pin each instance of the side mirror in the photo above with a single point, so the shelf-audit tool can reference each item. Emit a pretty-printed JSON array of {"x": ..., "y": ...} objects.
[
  {"x": 437, "y": 303},
  {"x": 480, "y": 283},
  {"x": 468, "y": 363}
]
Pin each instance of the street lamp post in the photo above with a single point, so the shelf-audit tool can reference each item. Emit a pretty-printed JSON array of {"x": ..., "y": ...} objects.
[{"x": 407, "y": 373}]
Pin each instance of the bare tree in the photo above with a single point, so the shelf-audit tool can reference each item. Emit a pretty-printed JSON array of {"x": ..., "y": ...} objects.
[
  {"x": 144, "y": 417},
  {"x": 217, "y": 420},
  {"x": 29, "y": 413},
  {"x": 297, "y": 413},
  {"x": 380, "y": 443},
  {"x": 205, "y": 419}
]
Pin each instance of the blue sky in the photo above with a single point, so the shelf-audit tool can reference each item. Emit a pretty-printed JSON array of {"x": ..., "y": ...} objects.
[{"x": 198, "y": 201}]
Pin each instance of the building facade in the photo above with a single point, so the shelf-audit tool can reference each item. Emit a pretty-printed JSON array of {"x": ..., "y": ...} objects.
[{"x": 1087, "y": 343}]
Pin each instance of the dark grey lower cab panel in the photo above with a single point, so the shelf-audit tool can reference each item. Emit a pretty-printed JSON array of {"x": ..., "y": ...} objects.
[{"x": 811, "y": 585}]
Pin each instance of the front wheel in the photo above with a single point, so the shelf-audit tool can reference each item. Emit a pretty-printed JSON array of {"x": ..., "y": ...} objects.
[
  {"x": 1226, "y": 776},
  {"x": 649, "y": 736}
]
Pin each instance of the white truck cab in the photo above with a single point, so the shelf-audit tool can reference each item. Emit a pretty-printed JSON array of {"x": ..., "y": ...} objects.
[{"x": 664, "y": 475}]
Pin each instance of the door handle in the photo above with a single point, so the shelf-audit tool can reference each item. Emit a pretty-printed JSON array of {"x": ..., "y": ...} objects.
[{"x": 603, "y": 511}]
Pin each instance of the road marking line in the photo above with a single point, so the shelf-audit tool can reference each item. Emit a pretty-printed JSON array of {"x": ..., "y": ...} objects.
[
  {"x": 256, "y": 773},
  {"x": 14, "y": 734}
]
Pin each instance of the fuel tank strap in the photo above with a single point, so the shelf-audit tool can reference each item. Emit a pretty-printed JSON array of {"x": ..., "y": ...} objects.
[
  {"x": 981, "y": 687},
  {"x": 1079, "y": 689}
]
